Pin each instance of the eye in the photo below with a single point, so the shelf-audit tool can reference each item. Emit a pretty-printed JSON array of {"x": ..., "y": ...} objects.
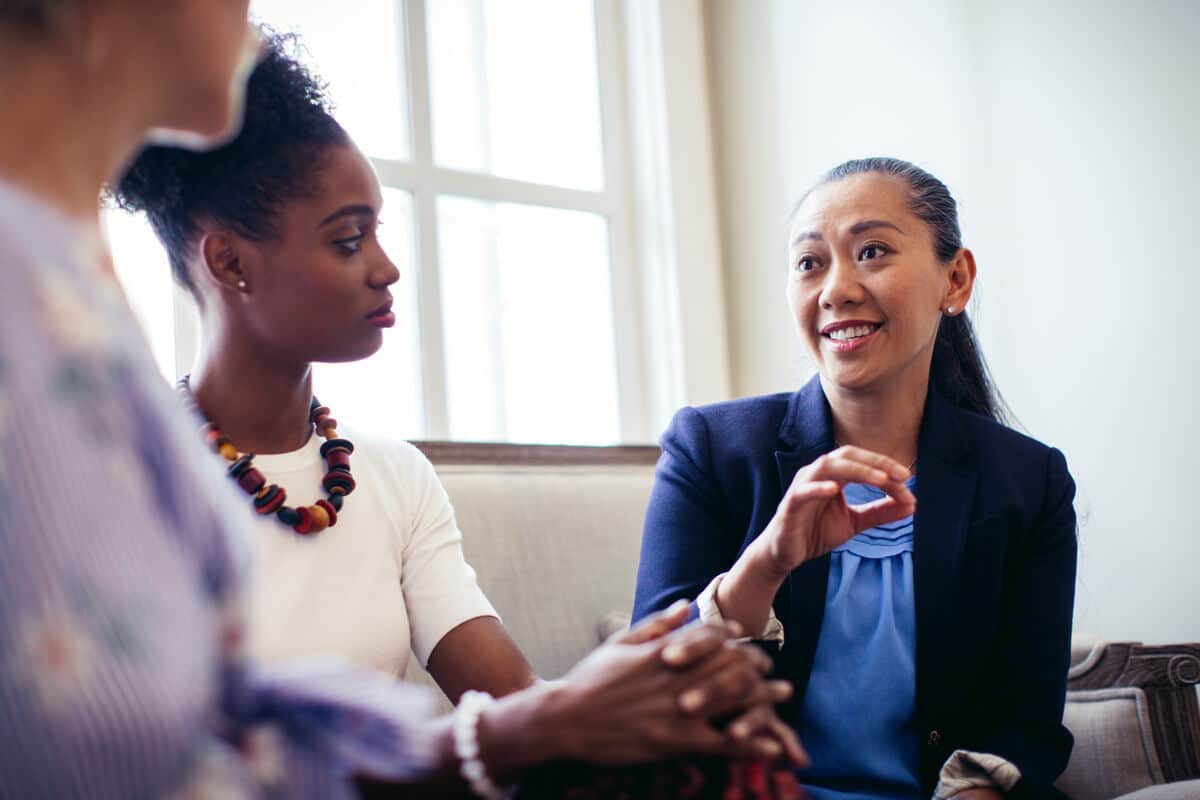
[
  {"x": 351, "y": 244},
  {"x": 806, "y": 264},
  {"x": 871, "y": 251}
]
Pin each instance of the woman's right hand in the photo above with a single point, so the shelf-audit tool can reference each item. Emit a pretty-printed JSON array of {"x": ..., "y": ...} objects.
[{"x": 814, "y": 518}]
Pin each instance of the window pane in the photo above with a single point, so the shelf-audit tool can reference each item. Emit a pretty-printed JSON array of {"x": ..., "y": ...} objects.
[
  {"x": 358, "y": 49},
  {"x": 514, "y": 89},
  {"x": 527, "y": 310},
  {"x": 383, "y": 392},
  {"x": 142, "y": 268}
]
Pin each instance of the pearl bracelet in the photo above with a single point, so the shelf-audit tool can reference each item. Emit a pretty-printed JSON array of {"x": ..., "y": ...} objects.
[{"x": 466, "y": 746}]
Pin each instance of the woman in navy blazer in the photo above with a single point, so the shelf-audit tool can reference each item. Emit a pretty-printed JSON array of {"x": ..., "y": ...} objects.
[{"x": 749, "y": 507}]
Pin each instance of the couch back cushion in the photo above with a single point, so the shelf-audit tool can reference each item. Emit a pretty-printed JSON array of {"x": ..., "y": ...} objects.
[
  {"x": 554, "y": 534},
  {"x": 1114, "y": 748},
  {"x": 556, "y": 550}
]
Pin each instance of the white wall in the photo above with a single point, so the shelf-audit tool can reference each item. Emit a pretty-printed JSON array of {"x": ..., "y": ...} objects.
[{"x": 1070, "y": 134}]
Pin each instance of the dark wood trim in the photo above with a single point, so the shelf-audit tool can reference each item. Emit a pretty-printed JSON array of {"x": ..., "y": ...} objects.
[
  {"x": 1149, "y": 667},
  {"x": 537, "y": 455},
  {"x": 1168, "y": 674},
  {"x": 1176, "y": 728}
]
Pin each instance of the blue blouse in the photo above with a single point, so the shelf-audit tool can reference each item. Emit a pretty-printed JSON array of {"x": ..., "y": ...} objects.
[{"x": 857, "y": 716}]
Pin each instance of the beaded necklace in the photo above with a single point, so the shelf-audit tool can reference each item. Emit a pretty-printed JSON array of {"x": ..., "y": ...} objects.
[{"x": 269, "y": 498}]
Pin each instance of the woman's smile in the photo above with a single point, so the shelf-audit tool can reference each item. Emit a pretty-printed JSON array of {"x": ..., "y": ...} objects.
[{"x": 849, "y": 335}]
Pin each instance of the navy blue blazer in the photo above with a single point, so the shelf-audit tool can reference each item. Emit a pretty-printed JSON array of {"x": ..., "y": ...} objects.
[{"x": 993, "y": 561}]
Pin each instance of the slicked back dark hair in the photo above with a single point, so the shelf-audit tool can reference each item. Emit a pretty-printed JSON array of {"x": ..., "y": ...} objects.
[
  {"x": 288, "y": 127},
  {"x": 958, "y": 371}
]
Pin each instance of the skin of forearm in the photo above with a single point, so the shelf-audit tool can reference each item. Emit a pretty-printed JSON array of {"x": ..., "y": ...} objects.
[
  {"x": 524, "y": 730},
  {"x": 746, "y": 593},
  {"x": 479, "y": 654}
]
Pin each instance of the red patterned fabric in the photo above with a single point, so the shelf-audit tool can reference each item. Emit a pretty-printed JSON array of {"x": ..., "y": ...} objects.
[{"x": 690, "y": 779}]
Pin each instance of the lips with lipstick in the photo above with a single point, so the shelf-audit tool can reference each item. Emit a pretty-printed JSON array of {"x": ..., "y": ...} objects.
[
  {"x": 383, "y": 316},
  {"x": 849, "y": 334}
]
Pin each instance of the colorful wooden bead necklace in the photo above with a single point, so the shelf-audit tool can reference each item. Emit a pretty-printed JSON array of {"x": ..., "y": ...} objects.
[{"x": 269, "y": 498}]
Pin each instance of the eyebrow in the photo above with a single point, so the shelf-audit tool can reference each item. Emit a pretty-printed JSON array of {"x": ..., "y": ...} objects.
[
  {"x": 855, "y": 229},
  {"x": 800, "y": 237},
  {"x": 868, "y": 224},
  {"x": 348, "y": 211}
]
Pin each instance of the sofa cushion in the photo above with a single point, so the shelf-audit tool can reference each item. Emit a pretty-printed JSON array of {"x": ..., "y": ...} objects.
[
  {"x": 612, "y": 623},
  {"x": 1180, "y": 790},
  {"x": 1114, "y": 750}
]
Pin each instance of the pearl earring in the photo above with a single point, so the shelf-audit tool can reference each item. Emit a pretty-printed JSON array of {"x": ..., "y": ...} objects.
[
  {"x": 950, "y": 310},
  {"x": 241, "y": 285}
]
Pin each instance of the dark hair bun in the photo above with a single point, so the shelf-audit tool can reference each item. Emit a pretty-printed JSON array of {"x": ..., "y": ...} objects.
[
  {"x": 288, "y": 122},
  {"x": 154, "y": 181}
]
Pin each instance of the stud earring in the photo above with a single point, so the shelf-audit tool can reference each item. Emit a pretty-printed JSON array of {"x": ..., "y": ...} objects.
[
  {"x": 950, "y": 310},
  {"x": 241, "y": 285}
]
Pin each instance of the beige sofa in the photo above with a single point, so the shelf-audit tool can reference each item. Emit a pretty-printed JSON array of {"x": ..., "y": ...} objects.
[{"x": 554, "y": 534}]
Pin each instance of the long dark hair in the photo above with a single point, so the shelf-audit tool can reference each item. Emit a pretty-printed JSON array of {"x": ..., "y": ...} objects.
[{"x": 958, "y": 370}]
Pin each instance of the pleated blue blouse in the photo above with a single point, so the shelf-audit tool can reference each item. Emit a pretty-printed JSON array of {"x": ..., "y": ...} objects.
[{"x": 857, "y": 718}]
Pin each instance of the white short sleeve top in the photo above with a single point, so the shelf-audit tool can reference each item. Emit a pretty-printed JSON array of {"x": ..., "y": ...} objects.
[{"x": 388, "y": 579}]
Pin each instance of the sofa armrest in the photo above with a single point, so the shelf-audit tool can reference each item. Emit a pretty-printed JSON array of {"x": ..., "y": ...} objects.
[
  {"x": 1183, "y": 790},
  {"x": 1168, "y": 674}
]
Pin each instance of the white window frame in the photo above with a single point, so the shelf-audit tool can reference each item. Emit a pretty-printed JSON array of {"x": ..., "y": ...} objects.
[{"x": 659, "y": 198}]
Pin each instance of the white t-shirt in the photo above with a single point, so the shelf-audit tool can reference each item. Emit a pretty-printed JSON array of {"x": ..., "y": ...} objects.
[{"x": 387, "y": 579}]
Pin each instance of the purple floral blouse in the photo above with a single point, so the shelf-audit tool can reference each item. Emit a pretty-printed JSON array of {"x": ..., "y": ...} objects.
[{"x": 122, "y": 671}]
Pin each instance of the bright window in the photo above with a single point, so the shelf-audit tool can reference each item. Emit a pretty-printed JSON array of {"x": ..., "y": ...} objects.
[
  {"x": 514, "y": 90},
  {"x": 520, "y": 286},
  {"x": 498, "y": 143}
]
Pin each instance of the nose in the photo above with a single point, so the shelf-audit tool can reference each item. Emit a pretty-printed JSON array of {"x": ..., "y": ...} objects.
[
  {"x": 384, "y": 273},
  {"x": 841, "y": 286}
]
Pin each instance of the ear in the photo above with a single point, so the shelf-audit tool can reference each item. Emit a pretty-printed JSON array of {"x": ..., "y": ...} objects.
[
  {"x": 960, "y": 282},
  {"x": 226, "y": 261}
]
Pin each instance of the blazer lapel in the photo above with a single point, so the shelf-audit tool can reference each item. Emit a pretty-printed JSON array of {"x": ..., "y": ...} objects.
[
  {"x": 806, "y": 433},
  {"x": 946, "y": 485}
]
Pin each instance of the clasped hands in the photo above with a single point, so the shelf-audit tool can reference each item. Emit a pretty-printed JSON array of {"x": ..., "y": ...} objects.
[{"x": 654, "y": 691}]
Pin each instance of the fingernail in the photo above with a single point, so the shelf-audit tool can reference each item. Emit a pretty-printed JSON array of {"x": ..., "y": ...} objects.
[
  {"x": 769, "y": 749},
  {"x": 675, "y": 607},
  {"x": 691, "y": 700},
  {"x": 673, "y": 652}
]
